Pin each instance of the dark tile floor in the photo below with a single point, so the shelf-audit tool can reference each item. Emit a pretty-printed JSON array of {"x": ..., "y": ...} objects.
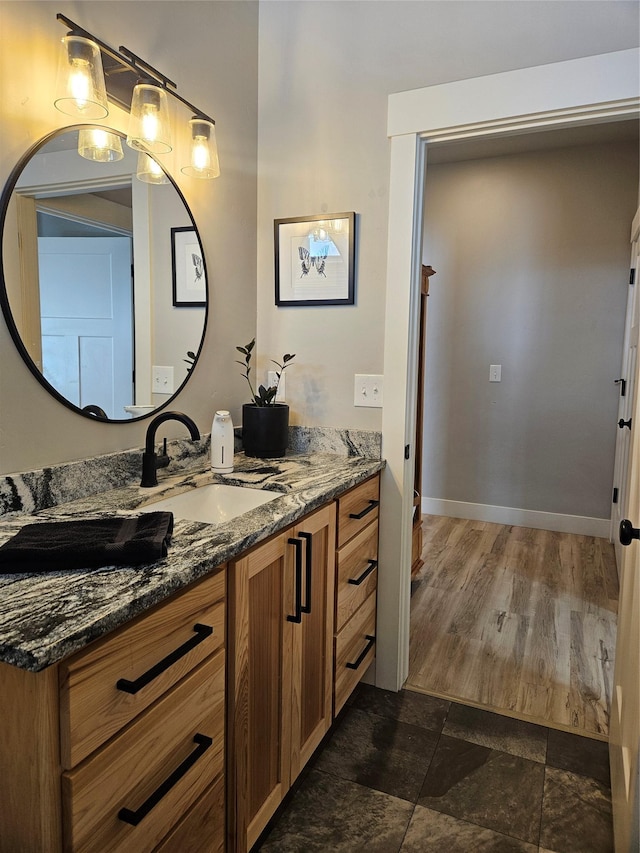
[{"x": 411, "y": 773}]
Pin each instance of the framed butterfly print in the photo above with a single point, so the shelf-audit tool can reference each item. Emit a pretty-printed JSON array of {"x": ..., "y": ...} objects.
[
  {"x": 315, "y": 259},
  {"x": 187, "y": 266}
]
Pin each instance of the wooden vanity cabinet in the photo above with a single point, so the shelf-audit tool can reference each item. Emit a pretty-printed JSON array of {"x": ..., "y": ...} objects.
[
  {"x": 88, "y": 746},
  {"x": 281, "y": 600},
  {"x": 356, "y": 585}
]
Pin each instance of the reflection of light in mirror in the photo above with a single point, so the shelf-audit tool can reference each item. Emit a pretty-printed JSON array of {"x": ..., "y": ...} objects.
[
  {"x": 149, "y": 171},
  {"x": 99, "y": 145}
]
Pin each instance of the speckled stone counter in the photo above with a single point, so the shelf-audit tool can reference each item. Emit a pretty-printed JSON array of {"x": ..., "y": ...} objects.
[{"x": 46, "y": 617}]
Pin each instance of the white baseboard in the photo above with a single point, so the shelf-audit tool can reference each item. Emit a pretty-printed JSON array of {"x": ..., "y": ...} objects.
[{"x": 580, "y": 524}]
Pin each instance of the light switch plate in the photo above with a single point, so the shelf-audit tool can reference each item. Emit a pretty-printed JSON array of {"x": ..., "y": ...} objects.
[
  {"x": 495, "y": 373},
  {"x": 367, "y": 390},
  {"x": 161, "y": 379}
]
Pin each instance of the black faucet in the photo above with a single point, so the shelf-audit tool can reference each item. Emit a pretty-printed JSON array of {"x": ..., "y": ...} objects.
[{"x": 150, "y": 461}]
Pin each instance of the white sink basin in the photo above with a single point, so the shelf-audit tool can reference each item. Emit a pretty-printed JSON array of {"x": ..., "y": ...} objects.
[{"x": 214, "y": 503}]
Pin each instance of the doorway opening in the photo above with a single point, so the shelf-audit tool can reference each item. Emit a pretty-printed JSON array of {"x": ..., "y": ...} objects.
[{"x": 531, "y": 280}]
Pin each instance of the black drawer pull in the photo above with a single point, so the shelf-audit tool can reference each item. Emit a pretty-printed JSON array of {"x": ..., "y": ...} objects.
[
  {"x": 297, "y": 544},
  {"x": 306, "y": 608},
  {"x": 365, "y": 511},
  {"x": 373, "y": 564},
  {"x": 134, "y": 818},
  {"x": 370, "y": 643},
  {"x": 201, "y": 634}
]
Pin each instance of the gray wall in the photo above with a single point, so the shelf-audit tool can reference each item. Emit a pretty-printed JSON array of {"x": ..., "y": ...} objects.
[
  {"x": 532, "y": 257},
  {"x": 210, "y": 49},
  {"x": 326, "y": 70}
]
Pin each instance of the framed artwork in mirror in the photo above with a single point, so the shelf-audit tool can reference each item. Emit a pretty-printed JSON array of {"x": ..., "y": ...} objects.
[
  {"x": 315, "y": 259},
  {"x": 187, "y": 269}
]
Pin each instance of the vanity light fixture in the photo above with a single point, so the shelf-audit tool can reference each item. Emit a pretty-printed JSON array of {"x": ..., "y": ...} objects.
[
  {"x": 100, "y": 145},
  {"x": 149, "y": 123},
  {"x": 80, "y": 87},
  {"x": 204, "y": 150},
  {"x": 143, "y": 91},
  {"x": 149, "y": 171}
]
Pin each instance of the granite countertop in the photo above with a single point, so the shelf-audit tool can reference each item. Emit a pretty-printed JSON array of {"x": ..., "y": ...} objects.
[{"x": 46, "y": 617}]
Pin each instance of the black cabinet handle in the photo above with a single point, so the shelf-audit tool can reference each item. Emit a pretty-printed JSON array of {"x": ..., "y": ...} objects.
[
  {"x": 373, "y": 564},
  {"x": 370, "y": 643},
  {"x": 201, "y": 634},
  {"x": 134, "y": 818},
  {"x": 622, "y": 423},
  {"x": 372, "y": 505},
  {"x": 306, "y": 608},
  {"x": 628, "y": 532},
  {"x": 297, "y": 544}
]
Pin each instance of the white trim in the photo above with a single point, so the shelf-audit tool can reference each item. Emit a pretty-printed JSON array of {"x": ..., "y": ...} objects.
[
  {"x": 561, "y": 90},
  {"x": 398, "y": 420},
  {"x": 581, "y": 524},
  {"x": 588, "y": 90}
]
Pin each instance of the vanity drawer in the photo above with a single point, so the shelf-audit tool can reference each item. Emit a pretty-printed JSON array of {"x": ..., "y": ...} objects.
[
  {"x": 164, "y": 645},
  {"x": 354, "y": 651},
  {"x": 357, "y": 508},
  {"x": 131, "y": 769},
  {"x": 356, "y": 573},
  {"x": 202, "y": 829}
]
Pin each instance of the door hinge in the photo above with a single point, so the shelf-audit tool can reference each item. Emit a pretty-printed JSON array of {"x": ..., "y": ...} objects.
[
  {"x": 615, "y": 496},
  {"x": 632, "y": 275}
]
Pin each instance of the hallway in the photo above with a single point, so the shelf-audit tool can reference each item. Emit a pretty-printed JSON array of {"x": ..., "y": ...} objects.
[{"x": 517, "y": 621}]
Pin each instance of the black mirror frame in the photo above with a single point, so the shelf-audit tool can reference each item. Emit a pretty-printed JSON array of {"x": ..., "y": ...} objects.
[{"x": 5, "y": 198}]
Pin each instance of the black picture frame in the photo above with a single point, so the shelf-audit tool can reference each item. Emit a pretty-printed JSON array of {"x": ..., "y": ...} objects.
[
  {"x": 188, "y": 274},
  {"x": 315, "y": 259}
]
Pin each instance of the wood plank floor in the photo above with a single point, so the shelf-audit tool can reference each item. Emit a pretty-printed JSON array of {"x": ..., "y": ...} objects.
[{"x": 516, "y": 620}]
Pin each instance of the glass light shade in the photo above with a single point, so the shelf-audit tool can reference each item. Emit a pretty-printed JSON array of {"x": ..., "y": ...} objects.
[
  {"x": 150, "y": 171},
  {"x": 149, "y": 125},
  {"x": 204, "y": 150},
  {"x": 80, "y": 89},
  {"x": 99, "y": 145}
]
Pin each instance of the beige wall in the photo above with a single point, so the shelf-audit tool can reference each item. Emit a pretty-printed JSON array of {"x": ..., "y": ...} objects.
[
  {"x": 532, "y": 259},
  {"x": 210, "y": 49},
  {"x": 325, "y": 70}
]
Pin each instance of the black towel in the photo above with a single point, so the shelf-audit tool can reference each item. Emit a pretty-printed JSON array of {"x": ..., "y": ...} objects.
[{"x": 88, "y": 543}]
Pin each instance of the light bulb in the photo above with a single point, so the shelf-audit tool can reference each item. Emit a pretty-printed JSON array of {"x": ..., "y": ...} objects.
[
  {"x": 203, "y": 161},
  {"x": 149, "y": 124},
  {"x": 80, "y": 89}
]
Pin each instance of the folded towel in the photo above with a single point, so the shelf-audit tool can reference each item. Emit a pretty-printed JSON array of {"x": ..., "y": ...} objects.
[{"x": 88, "y": 543}]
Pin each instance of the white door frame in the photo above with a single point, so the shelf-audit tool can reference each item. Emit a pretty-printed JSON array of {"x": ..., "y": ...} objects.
[{"x": 576, "y": 92}]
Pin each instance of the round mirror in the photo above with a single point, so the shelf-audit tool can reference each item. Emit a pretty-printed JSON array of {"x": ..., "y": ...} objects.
[{"x": 104, "y": 285}]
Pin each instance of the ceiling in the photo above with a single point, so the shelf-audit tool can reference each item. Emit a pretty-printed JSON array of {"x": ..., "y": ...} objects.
[{"x": 497, "y": 146}]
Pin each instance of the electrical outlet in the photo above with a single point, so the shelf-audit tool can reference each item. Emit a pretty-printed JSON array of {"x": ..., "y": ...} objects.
[
  {"x": 367, "y": 390},
  {"x": 271, "y": 381},
  {"x": 161, "y": 379}
]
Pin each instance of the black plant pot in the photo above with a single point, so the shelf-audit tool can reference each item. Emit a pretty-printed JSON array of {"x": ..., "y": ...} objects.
[{"x": 265, "y": 430}]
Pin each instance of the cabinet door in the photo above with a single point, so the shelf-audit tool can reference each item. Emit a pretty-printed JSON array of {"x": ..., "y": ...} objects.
[
  {"x": 259, "y": 639},
  {"x": 312, "y": 546}
]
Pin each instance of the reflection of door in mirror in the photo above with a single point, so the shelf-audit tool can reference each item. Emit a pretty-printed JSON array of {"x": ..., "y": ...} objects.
[
  {"x": 87, "y": 334},
  {"x": 82, "y": 336}
]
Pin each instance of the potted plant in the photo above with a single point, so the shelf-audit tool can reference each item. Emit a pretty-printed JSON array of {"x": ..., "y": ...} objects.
[{"x": 265, "y": 423}]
